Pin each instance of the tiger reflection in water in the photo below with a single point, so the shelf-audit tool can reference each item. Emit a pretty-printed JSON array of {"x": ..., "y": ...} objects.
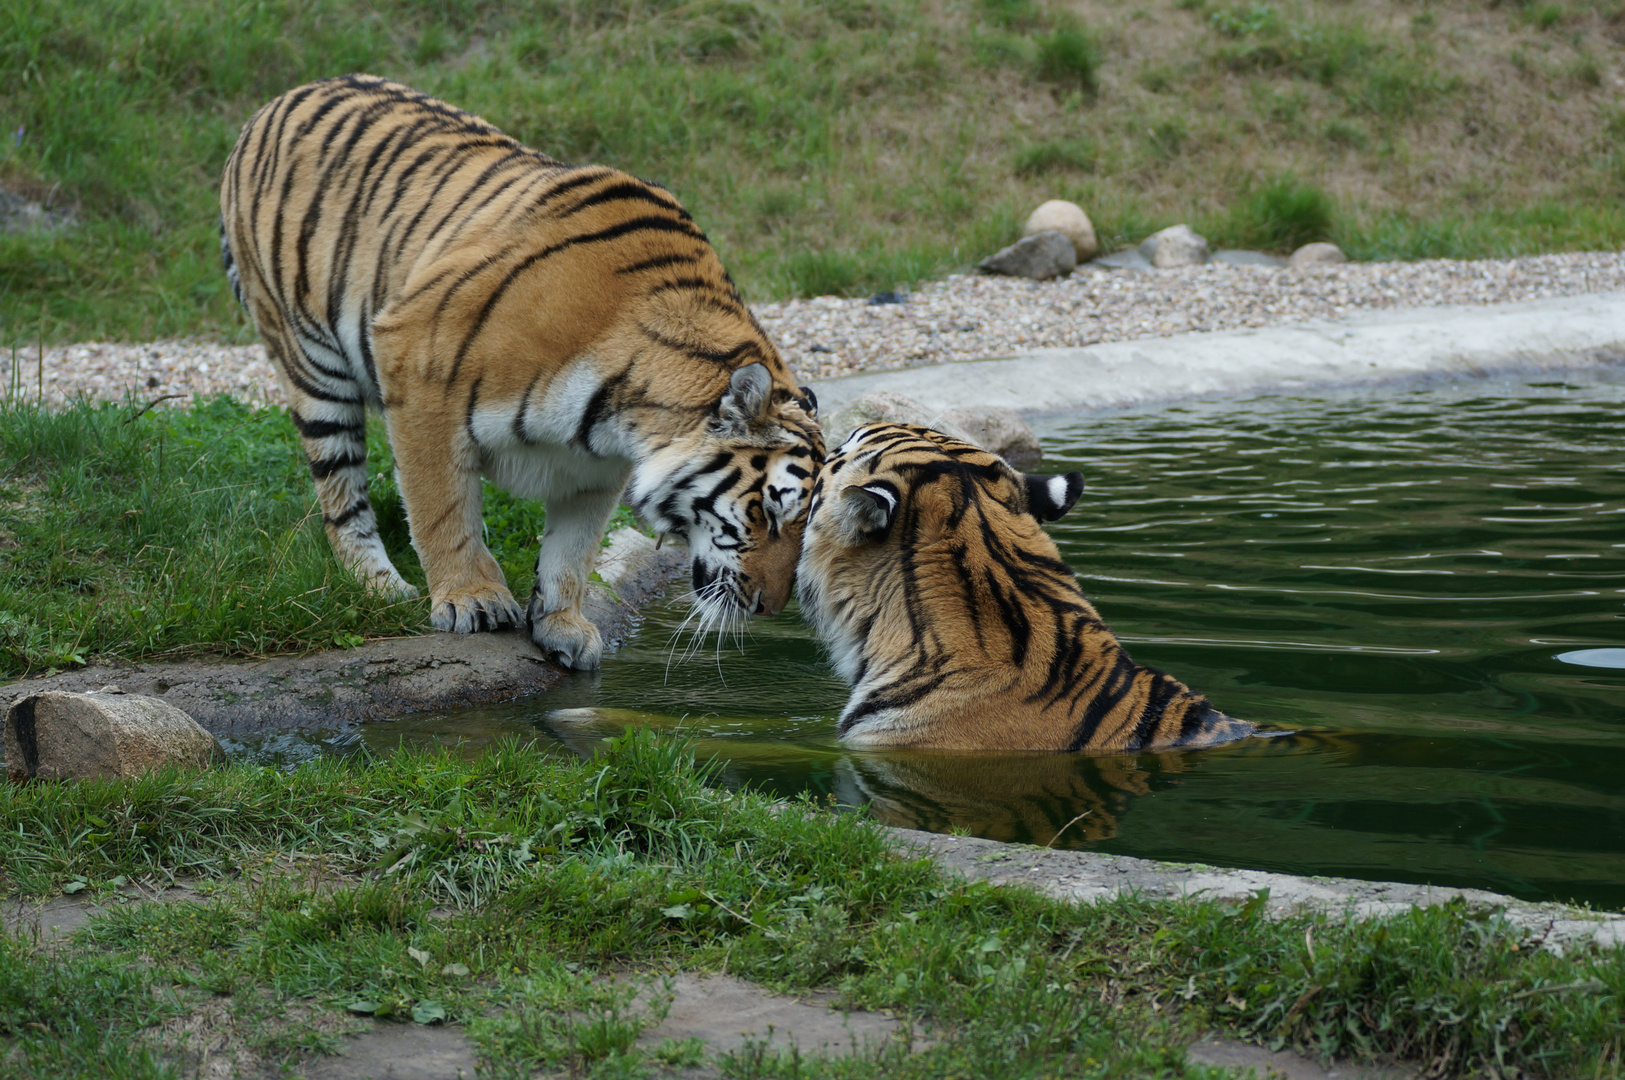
[{"x": 1031, "y": 798}]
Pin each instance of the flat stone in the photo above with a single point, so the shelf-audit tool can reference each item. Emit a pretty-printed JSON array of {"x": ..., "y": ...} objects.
[
  {"x": 1234, "y": 257},
  {"x": 1039, "y": 257},
  {"x": 390, "y": 677},
  {"x": 1127, "y": 259},
  {"x": 1551, "y": 335},
  {"x": 67, "y": 736},
  {"x": 1175, "y": 246},
  {"x": 1088, "y": 877},
  {"x": 1070, "y": 221},
  {"x": 1317, "y": 254}
]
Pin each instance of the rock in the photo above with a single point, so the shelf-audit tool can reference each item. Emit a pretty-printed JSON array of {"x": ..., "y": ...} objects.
[
  {"x": 1127, "y": 259},
  {"x": 1317, "y": 254},
  {"x": 1248, "y": 258},
  {"x": 1040, "y": 257},
  {"x": 1177, "y": 245},
  {"x": 65, "y": 736},
  {"x": 994, "y": 428},
  {"x": 18, "y": 214},
  {"x": 990, "y": 427},
  {"x": 1070, "y": 221}
]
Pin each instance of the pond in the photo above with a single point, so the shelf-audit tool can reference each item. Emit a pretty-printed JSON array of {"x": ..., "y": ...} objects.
[{"x": 1426, "y": 582}]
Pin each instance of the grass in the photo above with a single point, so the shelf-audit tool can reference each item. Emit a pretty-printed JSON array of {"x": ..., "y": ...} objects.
[
  {"x": 840, "y": 147},
  {"x": 501, "y": 893},
  {"x": 128, "y": 534}
]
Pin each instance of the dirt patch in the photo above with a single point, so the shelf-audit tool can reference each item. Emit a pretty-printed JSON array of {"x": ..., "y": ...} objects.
[
  {"x": 1284, "y": 1064},
  {"x": 399, "y": 1052},
  {"x": 383, "y": 678}
]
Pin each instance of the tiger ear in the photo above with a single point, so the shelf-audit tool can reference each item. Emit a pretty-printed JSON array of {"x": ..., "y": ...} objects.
[
  {"x": 750, "y": 392},
  {"x": 809, "y": 402},
  {"x": 867, "y": 511},
  {"x": 1050, "y": 497}
]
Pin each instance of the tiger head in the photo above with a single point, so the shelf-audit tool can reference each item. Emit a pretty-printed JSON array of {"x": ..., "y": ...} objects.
[
  {"x": 736, "y": 488},
  {"x": 891, "y": 490}
]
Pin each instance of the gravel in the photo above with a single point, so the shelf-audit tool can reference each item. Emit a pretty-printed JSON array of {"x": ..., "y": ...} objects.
[{"x": 960, "y": 318}]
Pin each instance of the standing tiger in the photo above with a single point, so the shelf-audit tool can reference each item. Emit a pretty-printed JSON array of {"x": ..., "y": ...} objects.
[
  {"x": 566, "y": 332},
  {"x": 950, "y": 611}
]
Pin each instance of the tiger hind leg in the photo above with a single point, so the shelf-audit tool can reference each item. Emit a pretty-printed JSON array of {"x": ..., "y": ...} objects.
[
  {"x": 570, "y": 542},
  {"x": 331, "y": 416}
]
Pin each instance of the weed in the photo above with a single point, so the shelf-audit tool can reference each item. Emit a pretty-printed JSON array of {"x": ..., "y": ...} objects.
[
  {"x": 1075, "y": 155},
  {"x": 1070, "y": 57},
  {"x": 1168, "y": 138},
  {"x": 1284, "y": 214}
]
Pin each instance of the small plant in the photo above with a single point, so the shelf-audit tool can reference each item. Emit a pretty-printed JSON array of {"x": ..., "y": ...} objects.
[
  {"x": 1286, "y": 213},
  {"x": 1168, "y": 138},
  {"x": 1069, "y": 56},
  {"x": 1060, "y": 155},
  {"x": 1009, "y": 13}
]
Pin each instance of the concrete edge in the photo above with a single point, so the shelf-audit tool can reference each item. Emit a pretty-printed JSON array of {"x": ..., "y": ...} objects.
[
  {"x": 1089, "y": 877},
  {"x": 382, "y": 678},
  {"x": 1565, "y": 333}
]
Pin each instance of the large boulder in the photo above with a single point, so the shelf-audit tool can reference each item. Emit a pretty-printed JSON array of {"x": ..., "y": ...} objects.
[
  {"x": 1175, "y": 246},
  {"x": 1317, "y": 254},
  {"x": 1039, "y": 257},
  {"x": 1070, "y": 221},
  {"x": 990, "y": 427},
  {"x": 63, "y": 736}
]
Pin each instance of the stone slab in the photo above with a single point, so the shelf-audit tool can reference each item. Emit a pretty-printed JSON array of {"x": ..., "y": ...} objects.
[
  {"x": 1087, "y": 877},
  {"x": 382, "y": 678},
  {"x": 1537, "y": 335}
]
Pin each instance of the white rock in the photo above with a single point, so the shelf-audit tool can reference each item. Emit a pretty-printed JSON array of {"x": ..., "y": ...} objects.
[
  {"x": 1317, "y": 254},
  {"x": 63, "y": 736},
  {"x": 1177, "y": 245},
  {"x": 1070, "y": 221}
]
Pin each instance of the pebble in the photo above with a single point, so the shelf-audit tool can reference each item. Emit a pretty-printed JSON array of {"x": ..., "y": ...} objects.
[{"x": 969, "y": 317}]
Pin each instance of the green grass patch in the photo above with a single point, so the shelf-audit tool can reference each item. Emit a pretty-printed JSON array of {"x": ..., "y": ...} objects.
[
  {"x": 130, "y": 534},
  {"x": 825, "y": 147},
  {"x": 321, "y": 888}
]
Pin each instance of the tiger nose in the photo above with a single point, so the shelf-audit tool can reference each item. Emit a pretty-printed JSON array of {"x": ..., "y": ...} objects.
[{"x": 770, "y": 600}]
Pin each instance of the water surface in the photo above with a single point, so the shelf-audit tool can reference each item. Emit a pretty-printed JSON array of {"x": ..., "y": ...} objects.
[{"x": 1426, "y": 582}]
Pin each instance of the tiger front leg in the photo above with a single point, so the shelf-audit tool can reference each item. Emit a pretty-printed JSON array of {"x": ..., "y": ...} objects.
[
  {"x": 437, "y": 466},
  {"x": 570, "y": 542}
]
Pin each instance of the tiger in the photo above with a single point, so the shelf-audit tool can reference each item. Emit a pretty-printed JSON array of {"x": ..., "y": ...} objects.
[
  {"x": 948, "y": 609},
  {"x": 566, "y": 332}
]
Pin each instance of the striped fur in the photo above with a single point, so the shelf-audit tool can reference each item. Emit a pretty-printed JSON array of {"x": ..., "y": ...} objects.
[
  {"x": 949, "y": 610},
  {"x": 566, "y": 332}
]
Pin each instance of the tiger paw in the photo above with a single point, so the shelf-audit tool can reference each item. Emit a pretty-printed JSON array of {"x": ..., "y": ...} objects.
[
  {"x": 567, "y": 638},
  {"x": 489, "y": 607}
]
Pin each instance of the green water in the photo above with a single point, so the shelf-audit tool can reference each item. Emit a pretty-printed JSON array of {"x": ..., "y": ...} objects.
[{"x": 1398, "y": 575}]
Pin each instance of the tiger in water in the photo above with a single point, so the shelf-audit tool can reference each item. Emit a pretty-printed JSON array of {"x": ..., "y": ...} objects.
[
  {"x": 948, "y": 609},
  {"x": 566, "y": 332}
]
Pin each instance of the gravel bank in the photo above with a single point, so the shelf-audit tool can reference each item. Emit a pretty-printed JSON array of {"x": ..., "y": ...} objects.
[{"x": 961, "y": 318}]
